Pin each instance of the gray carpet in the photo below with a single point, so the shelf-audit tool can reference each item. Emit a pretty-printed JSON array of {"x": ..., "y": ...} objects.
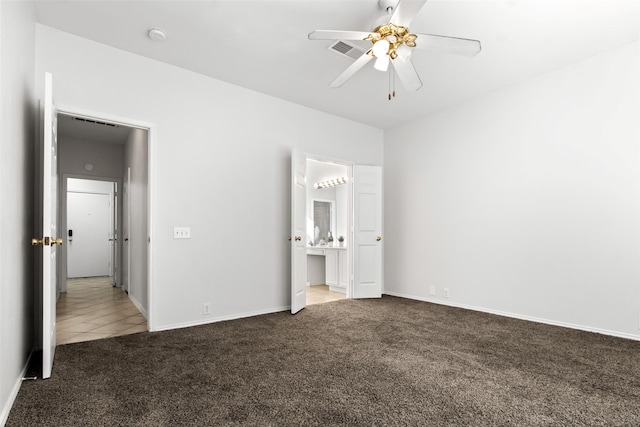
[{"x": 382, "y": 362}]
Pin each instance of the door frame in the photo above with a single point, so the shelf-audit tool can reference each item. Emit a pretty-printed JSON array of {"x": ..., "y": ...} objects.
[
  {"x": 151, "y": 174},
  {"x": 62, "y": 268}
]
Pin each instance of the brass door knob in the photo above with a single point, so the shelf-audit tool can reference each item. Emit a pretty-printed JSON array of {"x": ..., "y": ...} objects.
[
  {"x": 378, "y": 238},
  {"x": 46, "y": 241},
  {"x": 298, "y": 238},
  {"x": 289, "y": 238}
]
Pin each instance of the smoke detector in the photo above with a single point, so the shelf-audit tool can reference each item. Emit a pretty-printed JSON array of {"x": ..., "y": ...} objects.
[{"x": 156, "y": 34}]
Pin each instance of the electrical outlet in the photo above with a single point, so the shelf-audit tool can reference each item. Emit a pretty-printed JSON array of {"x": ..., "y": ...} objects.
[
  {"x": 206, "y": 308},
  {"x": 181, "y": 232},
  {"x": 432, "y": 290},
  {"x": 445, "y": 292}
]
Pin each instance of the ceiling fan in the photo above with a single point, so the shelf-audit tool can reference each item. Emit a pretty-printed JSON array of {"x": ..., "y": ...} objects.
[{"x": 393, "y": 42}]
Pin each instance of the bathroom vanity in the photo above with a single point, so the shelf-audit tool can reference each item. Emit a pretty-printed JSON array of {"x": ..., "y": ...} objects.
[{"x": 328, "y": 265}]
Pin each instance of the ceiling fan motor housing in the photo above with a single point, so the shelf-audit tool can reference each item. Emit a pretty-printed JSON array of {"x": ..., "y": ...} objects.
[{"x": 387, "y": 5}]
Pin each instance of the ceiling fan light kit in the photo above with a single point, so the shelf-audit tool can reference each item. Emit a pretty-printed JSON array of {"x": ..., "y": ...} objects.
[{"x": 393, "y": 42}]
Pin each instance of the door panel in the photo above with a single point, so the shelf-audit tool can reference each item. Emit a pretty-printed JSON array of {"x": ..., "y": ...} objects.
[
  {"x": 298, "y": 233},
  {"x": 367, "y": 231},
  {"x": 113, "y": 235},
  {"x": 126, "y": 219},
  {"x": 49, "y": 236}
]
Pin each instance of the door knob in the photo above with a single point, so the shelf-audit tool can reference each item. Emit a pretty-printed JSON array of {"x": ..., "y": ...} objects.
[
  {"x": 298, "y": 238},
  {"x": 46, "y": 241},
  {"x": 289, "y": 238},
  {"x": 126, "y": 239},
  {"x": 378, "y": 238}
]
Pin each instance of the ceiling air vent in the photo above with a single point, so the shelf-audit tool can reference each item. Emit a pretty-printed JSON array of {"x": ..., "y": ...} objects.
[{"x": 346, "y": 49}]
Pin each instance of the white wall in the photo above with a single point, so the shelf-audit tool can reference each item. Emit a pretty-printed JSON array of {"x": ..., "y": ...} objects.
[
  {"x": 342, "y": 223},
  {"x": 136, "y": 157},
  {"x": 525, "y": 201},
  {"x": 17, "y": 134},
  {"x": 221, "y": 165}
]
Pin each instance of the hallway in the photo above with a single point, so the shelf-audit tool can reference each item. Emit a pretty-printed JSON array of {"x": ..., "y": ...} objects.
[{"x": 92, "y": 309}]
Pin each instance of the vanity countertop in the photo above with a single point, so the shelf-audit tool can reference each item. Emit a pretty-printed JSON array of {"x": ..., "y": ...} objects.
[{"x": 319, "y": 250}]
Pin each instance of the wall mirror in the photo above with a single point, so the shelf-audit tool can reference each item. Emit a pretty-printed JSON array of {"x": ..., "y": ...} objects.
[{"x": 322, "y": 212}]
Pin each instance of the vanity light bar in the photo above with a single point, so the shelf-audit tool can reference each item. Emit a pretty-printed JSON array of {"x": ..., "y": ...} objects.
[{"x": 331, "y": 183}]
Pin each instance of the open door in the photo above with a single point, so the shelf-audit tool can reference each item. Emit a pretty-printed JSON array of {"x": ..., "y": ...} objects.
[
  {"x": 49, "y": 239},
  {"x": 113, "y": 233},
  {"x": 126, "y": 220},
  {"x": 298, "y": 232},
  {"x": 367, "y": 226}
]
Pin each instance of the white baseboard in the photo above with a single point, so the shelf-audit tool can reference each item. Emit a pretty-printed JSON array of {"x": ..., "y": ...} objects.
[
  {"x": 208, "y": 320},
  {"x": 138, "y": 306},
  {"x": 6, "y": 408},
  {"x": 520, "y": 316}
]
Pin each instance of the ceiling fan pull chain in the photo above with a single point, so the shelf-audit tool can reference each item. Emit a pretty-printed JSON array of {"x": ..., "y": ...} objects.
[
  {"x": 394, "y": 82},
  {"x": 390, "y": 77}
]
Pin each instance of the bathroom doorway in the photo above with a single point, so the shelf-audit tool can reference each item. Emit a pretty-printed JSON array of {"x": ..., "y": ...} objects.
[{"x": 328, "y": 210}]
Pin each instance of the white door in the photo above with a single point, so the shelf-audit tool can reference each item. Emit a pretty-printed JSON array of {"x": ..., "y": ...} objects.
[
  {"x": 367, "y": 193},
  {"x": 113, "y": 234},
  {"x": 126, "y": 219},
  {"x": 298, "y": 232},
  {"x": 89, "y": 220},
  {"x": 48, "y": 241}
]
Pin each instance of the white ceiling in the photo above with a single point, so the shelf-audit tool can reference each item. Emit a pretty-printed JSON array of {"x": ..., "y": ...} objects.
[
  {"x": 262, "y": 45},
  {"x": 90, "y": 130}
]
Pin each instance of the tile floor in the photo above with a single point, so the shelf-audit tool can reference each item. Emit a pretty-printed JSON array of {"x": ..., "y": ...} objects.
[
  {"x": 92, "y": 309},
  {"x": 319, "y": 294}
]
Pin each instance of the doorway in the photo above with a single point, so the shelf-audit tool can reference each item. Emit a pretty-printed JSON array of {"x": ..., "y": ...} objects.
[
  {"x": 95, "y": 156},
  {"x": 92, "y": 228},
  {"x": 356, "y": 267},
  {"x": 327, "y": 217}
]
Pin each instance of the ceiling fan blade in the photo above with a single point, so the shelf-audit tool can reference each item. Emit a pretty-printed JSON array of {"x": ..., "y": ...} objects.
[
  {"x": 405, "y": 11},
  {"x": 407, "y": 73},
  {"x": 466, "y": 47},
  {"x": 338, "y": 35},
  {"x": 352, "y": 69}
]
